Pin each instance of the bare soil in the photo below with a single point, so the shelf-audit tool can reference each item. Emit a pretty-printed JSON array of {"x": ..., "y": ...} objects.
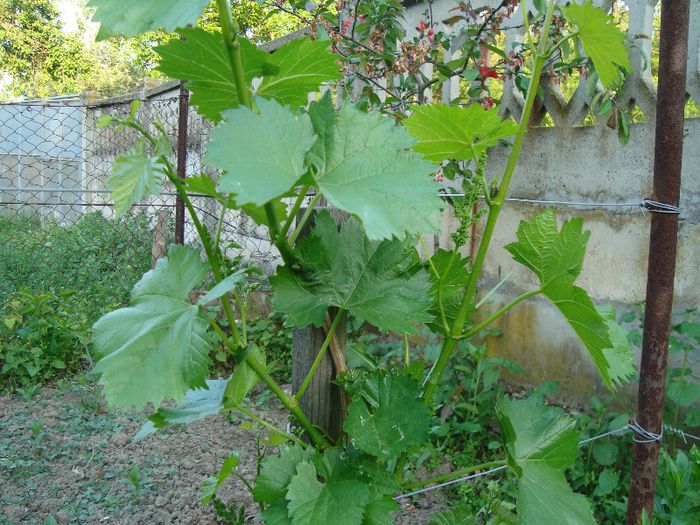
[{"x": 66, "y": 458}]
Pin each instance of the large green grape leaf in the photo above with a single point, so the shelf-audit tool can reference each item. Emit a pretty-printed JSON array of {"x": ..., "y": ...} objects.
[
  {"x": 277, "y": 472},
  {"x": 544, "y": 496},
  {"x": 379, "y": 511},
  {"x": 262, "y": 153},
  {"x": 374, "y": 280},
  {"x": 277, "y": 514},
  {"x": 201, "y": 60},
  {"x": 364, "y": 166},
  {"x": 197, "y": 404},
  {"x": 157, "y": 348},
  {"x": 136, "y": 175},
  {"x": 602, "y": 41},
  {"x": 557, "y": 257},
  {"x": 387, "y": 417},
  {"x": 537, "y": 434},
  {"x": 447, "y": 287},
  {"x": 312, "y": 501},
  {"x": 328, "y": 478},
  {"x": 541, "y": 443},
  {"x": 302, "y": 65},
  {"x": 131, "y": 17},
  {"x": 454, "y": 132}
]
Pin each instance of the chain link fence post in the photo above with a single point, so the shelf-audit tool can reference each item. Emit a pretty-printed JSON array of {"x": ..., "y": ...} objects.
[{"x": 183, "y": 115}]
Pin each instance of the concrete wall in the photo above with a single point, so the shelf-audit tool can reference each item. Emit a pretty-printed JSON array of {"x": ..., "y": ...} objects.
[{"x": 587, "y": 165}]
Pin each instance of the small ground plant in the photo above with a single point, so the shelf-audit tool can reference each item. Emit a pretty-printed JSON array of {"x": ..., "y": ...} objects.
[{"x": 273, "y": 147}]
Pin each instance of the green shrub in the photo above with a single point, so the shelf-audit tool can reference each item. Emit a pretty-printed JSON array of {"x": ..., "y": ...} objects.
[
  {"x": 98, "y": 258},
  {"x": 55, "y": 282},
  {"x": 42, "y": 336}
]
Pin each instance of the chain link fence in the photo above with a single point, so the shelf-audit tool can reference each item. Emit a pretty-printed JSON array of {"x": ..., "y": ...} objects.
[{"x": 55, "y": 161}]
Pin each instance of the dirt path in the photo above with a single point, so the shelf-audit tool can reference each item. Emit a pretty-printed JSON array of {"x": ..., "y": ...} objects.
[{"x": 65, "y": 456}]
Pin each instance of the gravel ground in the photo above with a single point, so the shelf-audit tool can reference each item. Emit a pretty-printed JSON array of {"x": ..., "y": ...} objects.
[{"x": 66, "y": 458}]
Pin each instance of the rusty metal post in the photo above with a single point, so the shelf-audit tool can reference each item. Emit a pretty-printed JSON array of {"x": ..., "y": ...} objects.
[
  {"x": 668, "y": 153},
  {"x": 183, "y": 113}
]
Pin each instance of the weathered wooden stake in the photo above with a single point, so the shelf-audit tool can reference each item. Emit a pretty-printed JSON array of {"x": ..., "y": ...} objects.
[{"x": 323, "y": 401}]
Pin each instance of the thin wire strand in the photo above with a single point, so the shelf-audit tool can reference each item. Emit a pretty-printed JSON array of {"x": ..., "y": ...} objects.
[
  {"x": 646, "y": 437},
  {"x": 681, "y": 433},
  {"x": 451, "y": 482}
]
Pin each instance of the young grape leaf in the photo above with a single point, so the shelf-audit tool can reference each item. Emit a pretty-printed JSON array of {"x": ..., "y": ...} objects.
[
  {"x": 136, "y": 175},
  {"x": 302, "y": 66},
  {"x": 243, "y": 379},
  {"x": 197, "y": 404},
  {"x": 364, "y": 166},
  {"x": 158, "y": 347},
  {"x": 262, "y": 153},
  {"x": 277, "y": 472},
  {"x": 131, "y": 17},
  {"x": 387, "y": 416},
  {"x": 446, "y": 289},
  {"x": 341, "y": 502},
  {"x": 454, "y": 132},
  {"x": 200, "y": 58},
  {"x": 374, "y": 280},
  {"x": 225, "y": 286},
  {"x": 541, "y": 443},
  {"x": 202, "y": 184},
  {"x": 212, "y": 484},
  {"x": 556, "y": 257},
  {"x": 602, "y": 41}
]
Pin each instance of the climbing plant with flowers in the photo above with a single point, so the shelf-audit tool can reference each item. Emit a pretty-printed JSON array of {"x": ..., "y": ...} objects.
[{"x": 377, "y": 161}]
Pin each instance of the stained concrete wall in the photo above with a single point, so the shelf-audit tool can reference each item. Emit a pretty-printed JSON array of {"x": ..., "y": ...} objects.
[{"x": 587, "y": 165}]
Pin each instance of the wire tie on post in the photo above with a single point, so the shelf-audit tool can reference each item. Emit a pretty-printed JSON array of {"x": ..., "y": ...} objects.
[
  {"x": 659, "y": 207},
  {"x": 646, "y": 436}
]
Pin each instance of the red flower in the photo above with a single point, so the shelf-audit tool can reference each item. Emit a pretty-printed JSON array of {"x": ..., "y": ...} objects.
[
  {"x": 486, "y": 72},
  {"x": 487, "y": 103}
]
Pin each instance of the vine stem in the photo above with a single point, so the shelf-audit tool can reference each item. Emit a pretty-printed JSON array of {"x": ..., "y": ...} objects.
[
  {"x": 454, "y": 475},
  {"x": 495, "y": 207},
  {"x": 304, "y": 218},
  {"x": 319, "y": 357},
  {"x": 289, "y": 402},
  {"x": 498, "y": 313},
  {"x": 270, "y": 426},
  {"x": 293, "y": 212},
  {"x": 230, "y": 30}
]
